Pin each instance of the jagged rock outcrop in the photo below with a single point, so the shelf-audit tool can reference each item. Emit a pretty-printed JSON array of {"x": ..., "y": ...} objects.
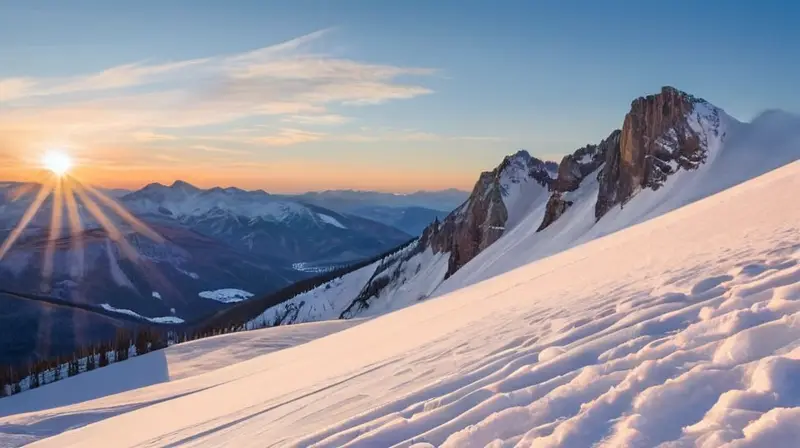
[
  {"x": 481, "y": 220},
  {"x": 572, "y": 170},
  {"x": 661, "y": 134}
]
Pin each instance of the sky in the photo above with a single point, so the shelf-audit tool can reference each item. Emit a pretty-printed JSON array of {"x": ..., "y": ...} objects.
[{"x": 301, "y": 95}]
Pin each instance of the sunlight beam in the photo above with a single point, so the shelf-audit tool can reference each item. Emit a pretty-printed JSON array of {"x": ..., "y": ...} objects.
[
  {"x": 76, "y": 231},
  {"x": 113, "y": 232},
  {"x": 56, "y": 218},
  {"x": 44, "y": 192},
  {"x": 22, "y": 191},
  {"x": 135, "y": 222}
]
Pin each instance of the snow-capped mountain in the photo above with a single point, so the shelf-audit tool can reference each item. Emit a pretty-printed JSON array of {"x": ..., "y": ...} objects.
[
  {"x": 411, "y": 213},
  {"x": 672, "y": 149},
  {"x": 215, "y": 248},
  {"x": 259, "y": 223},
  {"x": 345, "y": 201}
]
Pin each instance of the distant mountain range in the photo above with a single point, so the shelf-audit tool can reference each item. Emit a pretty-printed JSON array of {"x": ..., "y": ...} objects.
[{"x": 220, "y": 246}]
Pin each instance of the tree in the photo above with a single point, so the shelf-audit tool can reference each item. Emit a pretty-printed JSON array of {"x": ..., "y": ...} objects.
[
  {"x": 103, "y": 361},
  {"x": 33, "y": 382},
  {"x": 57, "y": 376},
  {"x": 142, "y": 340},
  {"x": 90, "y": 361}
]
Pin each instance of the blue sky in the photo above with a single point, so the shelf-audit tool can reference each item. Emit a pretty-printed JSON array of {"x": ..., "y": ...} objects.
[{"x": 367, "y": 94}]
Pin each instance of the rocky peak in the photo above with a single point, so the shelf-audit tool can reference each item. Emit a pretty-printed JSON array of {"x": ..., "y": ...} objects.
[
  {"x": 481, "y": 220},
  {"x": 662, "y": 133},
  {"x": 521, "y": 167},
  {"x": 572, "y": 170}
]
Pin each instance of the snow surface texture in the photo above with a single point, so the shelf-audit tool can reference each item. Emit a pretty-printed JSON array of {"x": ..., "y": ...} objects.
[
  {"x": 155, "y": 320},
  {"x": 226, "y": 295},
  {"x": 695, "y": 340},
  {"x": 176, "y": 365}
]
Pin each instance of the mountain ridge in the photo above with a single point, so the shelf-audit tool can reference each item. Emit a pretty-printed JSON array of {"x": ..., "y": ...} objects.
[{"x": 672, "y": 149}]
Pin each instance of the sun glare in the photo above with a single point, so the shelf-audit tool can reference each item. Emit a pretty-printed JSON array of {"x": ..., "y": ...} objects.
[{"x": 57, "y": 162}]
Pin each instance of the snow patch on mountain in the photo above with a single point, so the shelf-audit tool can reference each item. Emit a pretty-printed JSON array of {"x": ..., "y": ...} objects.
[
  {"x": 192, "y": 275},
  {"x": 330, "y": 220},
  {"x": 522, "y": 192},
  {"x": 155, "y": 320},
  {"x": 226, "y": 295}
]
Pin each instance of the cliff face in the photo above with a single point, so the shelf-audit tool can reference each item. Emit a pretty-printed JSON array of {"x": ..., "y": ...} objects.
[
  {"x": 661, "y": 134},
  {"x": 481, "y": 220},
  {"x": 572, "y": 170}
]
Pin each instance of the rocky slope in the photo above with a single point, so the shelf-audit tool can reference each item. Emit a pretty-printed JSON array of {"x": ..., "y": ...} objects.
[
  {"x": 499, "y": 200},
  {"x": 661, "y": 135},
  {"x": 659, "y": 160}
]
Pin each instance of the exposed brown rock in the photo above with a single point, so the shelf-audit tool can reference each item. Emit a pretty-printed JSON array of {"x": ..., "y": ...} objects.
[
  {"x": 481, "y": 220},
  {"x": 656, "y": 140},
  {"x": 572, "y": 170}
]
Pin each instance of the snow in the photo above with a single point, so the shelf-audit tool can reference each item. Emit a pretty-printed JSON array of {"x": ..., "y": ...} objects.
[
  {"x": 155, "y": 320},
  {"x": 156, "y": 295},
  {"x": 144, "y": 380},
  {"x": 324, "y": 302},
  {"x": 330, "y": 220},
  {"x": 188, "y": 274},
  {"x": 694, "y": 341},
  {"x": 737, "y": 152},
  {"x": 226, "y": 295},
  {"x": 521, "y": 193},
  {"x": 188, "y": 201}
]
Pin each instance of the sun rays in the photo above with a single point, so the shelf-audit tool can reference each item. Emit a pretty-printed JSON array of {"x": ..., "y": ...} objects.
[{"x": 76, "y": 203}]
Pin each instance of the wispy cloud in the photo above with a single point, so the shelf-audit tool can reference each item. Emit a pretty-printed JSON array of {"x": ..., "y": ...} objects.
[
  {"x": 368, "y": 136},
  {"x": 289, "y": 137},
  {"x": 147, "y": 136},
  {"x": 284, "y": 79},
  {"x": 324, "y": 119},
  {"x": 219, "y": 149}
]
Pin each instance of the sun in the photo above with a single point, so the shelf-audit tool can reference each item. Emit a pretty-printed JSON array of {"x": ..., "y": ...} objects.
[{"x": 57, "y": 162}]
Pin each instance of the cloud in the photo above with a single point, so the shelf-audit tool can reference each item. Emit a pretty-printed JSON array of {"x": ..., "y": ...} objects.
[
  {"x": 324, "y": 119},
  {"x": 220, "y": 150},
  {"x": 369, "y": 136},
  {"x": 13, "y": 88},
  {"x": 291, "y": 82},
  {"x": 147, "y": 136},
  {"x": 289, "y": 137}
]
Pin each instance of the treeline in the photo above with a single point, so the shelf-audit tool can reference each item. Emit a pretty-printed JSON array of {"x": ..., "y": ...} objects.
[
  {"x": 145, "y": 339},
  {"x": 237, "y": 316},
  {"x": 126, "y": 343}
]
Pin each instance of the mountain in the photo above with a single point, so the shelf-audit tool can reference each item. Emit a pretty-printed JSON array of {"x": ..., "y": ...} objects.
[
  {"x": 345, "y": 201},
  {"x": 213, "y": 248},
  {"x": 411, "y": 213},
  {"x": 260, "y": 223},
  {"x": 672, "y": 149},
  {"x": 680, "y": 331},
  {"x": 411, "y": 220}
]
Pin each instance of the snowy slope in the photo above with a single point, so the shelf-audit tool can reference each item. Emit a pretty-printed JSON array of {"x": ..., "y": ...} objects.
[
  {"x": 695, "y": 341},
  {"x": 173, "y": 364},
  {"x": 737, "y": 152},
  {"x": 732, "y": 152}
]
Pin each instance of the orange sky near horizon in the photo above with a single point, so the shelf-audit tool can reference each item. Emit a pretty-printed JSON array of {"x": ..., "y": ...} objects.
[{"x": 275, "y": 177}]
